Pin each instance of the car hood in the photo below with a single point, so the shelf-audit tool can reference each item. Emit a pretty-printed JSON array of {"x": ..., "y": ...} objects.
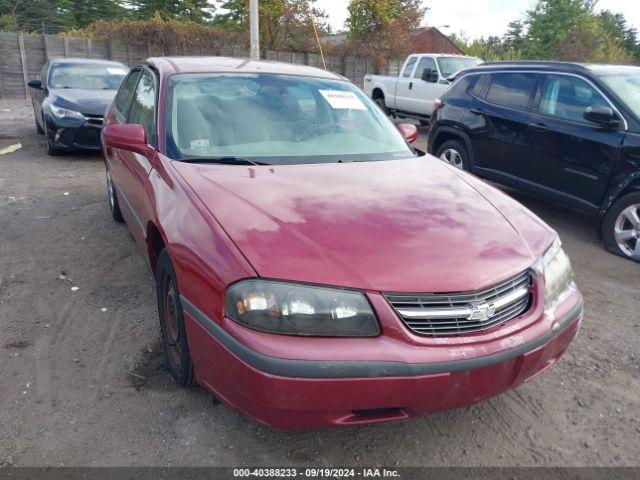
[
  {"x": 414, "y": 225},
  {"x": 88, "y": 102}
]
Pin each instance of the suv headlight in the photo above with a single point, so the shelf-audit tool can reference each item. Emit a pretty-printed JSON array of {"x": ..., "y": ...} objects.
[
  {"x": 60, "y": 112},
  {"x": 558, "y": 276},
  {"x": 292, "y": 309}
]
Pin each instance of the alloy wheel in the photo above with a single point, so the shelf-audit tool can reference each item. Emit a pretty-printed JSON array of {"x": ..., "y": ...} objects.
[
  {"x": 452, "y": 157},
  {"x": 627, "y": 231}
]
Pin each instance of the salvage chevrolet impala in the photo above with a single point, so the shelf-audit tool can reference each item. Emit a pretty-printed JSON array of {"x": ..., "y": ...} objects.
[{"x": 312, "y": 268}]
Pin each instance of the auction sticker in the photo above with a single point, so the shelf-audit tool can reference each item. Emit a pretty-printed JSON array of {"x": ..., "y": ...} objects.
[{"x": 340, "y": 99}]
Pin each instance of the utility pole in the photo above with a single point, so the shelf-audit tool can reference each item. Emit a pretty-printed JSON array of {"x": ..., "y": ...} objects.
[{"x": 254, "y": 47}]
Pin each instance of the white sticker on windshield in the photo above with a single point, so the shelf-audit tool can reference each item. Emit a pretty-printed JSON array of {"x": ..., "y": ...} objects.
[
  {"x": 116, "y": 71},
  {"x": 200, "y": 143},
  {"x": 343, "y": 100}
]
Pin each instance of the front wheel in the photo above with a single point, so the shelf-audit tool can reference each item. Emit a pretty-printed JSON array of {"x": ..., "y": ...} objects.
[
  {"x": 621, "y": 227},
  {"x": 51, "y": 148},
  {"x": 112, "y": 196},
  {"x": 174, "y": 335},
  {"x": 454, "y": 153},
  {"x": 382, "y": 105}
]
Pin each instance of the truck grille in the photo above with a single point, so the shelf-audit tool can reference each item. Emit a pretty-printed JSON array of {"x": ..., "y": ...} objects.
[{"x": 438, "y": 314}]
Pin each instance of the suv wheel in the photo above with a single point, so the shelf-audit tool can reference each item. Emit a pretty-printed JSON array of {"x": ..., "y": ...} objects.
[
  {"x": 454, "y": 153},
  {"x": 621, "y": 227}
]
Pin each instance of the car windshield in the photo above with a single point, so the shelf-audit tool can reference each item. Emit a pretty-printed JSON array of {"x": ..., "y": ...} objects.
[
  {"x": 626, "y": 84},
  {"x": 276, "y": 119},
  {"x": 87, "y": 76},
  {"x": 450, "y": 65}
]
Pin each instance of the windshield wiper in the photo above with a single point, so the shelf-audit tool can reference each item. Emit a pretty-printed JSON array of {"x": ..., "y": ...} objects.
[{"x": 223, "y": 160}]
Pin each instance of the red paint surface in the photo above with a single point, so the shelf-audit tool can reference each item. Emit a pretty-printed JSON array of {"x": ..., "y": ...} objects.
[{"x": 414, "y": 225}]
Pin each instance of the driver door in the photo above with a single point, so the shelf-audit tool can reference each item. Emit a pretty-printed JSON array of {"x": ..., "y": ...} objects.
[
  {"x": 569, "y": 157},
  {"x": 425, "y": 91}
]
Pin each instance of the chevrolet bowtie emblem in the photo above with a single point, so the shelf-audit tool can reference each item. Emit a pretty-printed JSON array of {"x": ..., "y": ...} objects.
[{"x": 482, "y": 312}]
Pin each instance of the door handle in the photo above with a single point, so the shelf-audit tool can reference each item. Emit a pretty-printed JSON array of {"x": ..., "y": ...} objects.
[
  {"x": 477, "y": 111},
  {"x": 540, "y": 127},
  {"x": 410, "y": 85}
]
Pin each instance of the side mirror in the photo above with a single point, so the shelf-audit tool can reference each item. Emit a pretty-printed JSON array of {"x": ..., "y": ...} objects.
[
  {"x": 601, "y": 115},
  {"x": 408, "y": 131},
  {"x": 37, "y": 84},
  {"x": 429, "y": 75},
  {"x": 128, "y": 136}
]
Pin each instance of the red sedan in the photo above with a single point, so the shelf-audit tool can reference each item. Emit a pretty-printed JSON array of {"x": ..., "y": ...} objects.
[{"x": 312, "y": 268}]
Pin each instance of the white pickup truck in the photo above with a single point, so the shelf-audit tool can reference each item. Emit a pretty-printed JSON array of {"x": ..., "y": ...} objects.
[{"x": 421, "y": 81}]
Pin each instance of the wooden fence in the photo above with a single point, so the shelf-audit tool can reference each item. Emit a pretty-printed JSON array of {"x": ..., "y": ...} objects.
[{"x": 22, "y": 56}]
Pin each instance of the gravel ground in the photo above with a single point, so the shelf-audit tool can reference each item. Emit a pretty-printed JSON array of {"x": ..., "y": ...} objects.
[{"x": 83, "y": 382}]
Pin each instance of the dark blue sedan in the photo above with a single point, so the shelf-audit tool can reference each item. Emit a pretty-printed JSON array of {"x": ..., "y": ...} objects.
[{"x": 69, "y": 99}]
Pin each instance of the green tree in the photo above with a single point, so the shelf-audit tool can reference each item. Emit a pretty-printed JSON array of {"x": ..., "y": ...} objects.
[
  {"x": 37, "y": 16},
  {"x": 284, "y": 24},
  {"x": 381, "y": 29},
  {"x": 88, "y": 11},
  {"x": 616, "y": 28},
  {"x": 552, "y": 24}
]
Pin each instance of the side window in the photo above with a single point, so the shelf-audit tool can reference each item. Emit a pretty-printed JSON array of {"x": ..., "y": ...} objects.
[
  {"x": 408, "y": 67},
  {"x": 429, "y": 64},
  {"x": 125, "y": 93},
  {"x": 512, "y": 89},
  {"x": 143, "y": 107},
  {"x": 481, "y": 85},
  {"x": 568, "y": 97}
]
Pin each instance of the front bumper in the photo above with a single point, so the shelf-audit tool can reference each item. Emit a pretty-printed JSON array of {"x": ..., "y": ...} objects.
[
  {"x": 66, "y": 135},
  {"x": 296, "y": 393}
]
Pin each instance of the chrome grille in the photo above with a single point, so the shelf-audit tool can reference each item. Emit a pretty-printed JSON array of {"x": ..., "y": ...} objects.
[{"x": 464, "y": 312}]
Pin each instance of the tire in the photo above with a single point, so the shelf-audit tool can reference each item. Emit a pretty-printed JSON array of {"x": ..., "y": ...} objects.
[
  {"x": 454, "y": 152},
  {"x": 621, "y": 227},
  {"x": 174, "y": 335},
  {"x": 51, "y": 149},
  {"x": 112, "y": 198},
  {"x": 382, "y": 105}
]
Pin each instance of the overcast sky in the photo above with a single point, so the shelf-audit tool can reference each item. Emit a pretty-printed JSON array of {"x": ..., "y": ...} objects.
[{"x": 477, "y": 18}]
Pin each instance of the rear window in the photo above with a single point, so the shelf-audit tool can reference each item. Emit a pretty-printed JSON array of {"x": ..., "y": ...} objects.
[{"x": 512, "y": 89}]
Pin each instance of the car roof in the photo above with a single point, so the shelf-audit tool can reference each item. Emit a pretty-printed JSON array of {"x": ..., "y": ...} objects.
[
  {"x": 170, "y": 65},
  {"x": 530, "y": 65},
  {"x": 85, "y": 61}
]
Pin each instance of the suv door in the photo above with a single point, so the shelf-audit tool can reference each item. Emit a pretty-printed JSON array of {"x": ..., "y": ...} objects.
[
  {"x": 569, "y": 158},
  {"x": 425, "y": 91},
  {"x": 498, "y": 123},
  {"x": 404, "y": 84}
]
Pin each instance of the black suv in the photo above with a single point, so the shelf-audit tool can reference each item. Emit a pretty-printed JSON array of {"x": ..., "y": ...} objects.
[{"x": 565, "y": 131}]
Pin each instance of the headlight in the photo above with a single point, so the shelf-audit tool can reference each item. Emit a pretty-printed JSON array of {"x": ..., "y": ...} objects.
[
  {"x": 558, "y": 276},
  {"x": 292, "y": 309},
  {"x": 60, "y": 112}
]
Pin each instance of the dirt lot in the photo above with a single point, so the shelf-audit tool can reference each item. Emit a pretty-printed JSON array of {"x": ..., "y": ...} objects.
[{"x": 81, "y": 374}]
